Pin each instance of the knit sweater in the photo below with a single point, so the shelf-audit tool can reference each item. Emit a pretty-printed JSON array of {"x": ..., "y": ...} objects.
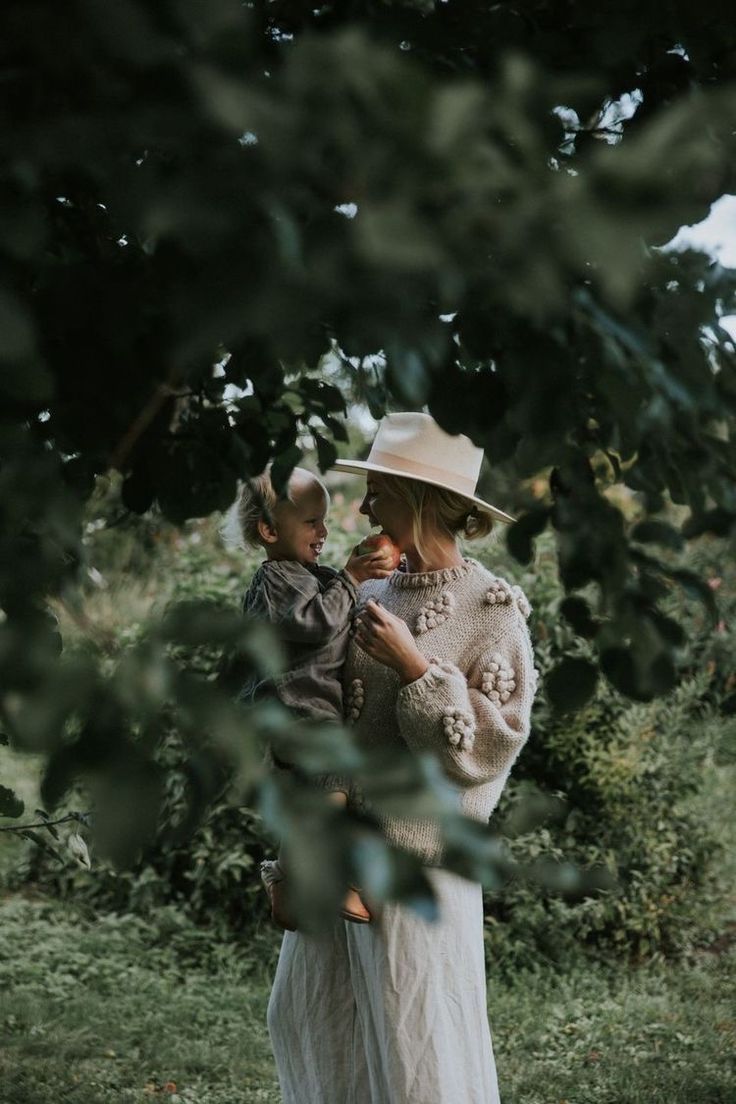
[{"x": 470, "y": 709}]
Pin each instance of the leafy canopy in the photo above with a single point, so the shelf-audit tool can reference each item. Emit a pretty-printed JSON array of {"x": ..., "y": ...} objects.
[{"x": 173, "y": 224}]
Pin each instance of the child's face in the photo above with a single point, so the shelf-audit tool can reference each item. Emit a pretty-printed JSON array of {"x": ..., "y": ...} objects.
[{"x": 300, "y": 531}]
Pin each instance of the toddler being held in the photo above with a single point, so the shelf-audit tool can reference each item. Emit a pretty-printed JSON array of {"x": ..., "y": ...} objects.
[{"x": 312, "y": 606}]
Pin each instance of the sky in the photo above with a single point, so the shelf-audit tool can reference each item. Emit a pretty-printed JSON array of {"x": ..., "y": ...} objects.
[{"x": 715, "y": 235}]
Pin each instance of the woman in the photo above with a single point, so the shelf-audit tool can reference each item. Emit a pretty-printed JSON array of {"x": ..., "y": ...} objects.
[{"x": 394, "y": 1012}]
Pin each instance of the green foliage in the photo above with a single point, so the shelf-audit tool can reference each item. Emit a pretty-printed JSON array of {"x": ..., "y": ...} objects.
[
  {"x": 178, "y": 274},
  {"x": 615, "y": 789},
  {"x": 630, "y": 782},
  {"x": 211, "y": 877},
  {"x": 626, "y": 776}
]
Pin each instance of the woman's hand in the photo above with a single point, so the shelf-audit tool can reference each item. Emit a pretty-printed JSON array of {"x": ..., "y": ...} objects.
[{"x": 388, "y": 640}]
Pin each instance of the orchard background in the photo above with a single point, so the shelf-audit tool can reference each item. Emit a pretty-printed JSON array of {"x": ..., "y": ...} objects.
[{"x": 233, "y": 232}]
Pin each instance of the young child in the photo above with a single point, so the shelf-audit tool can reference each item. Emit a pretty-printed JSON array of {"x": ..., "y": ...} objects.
[{"x": 312, "y": 606}]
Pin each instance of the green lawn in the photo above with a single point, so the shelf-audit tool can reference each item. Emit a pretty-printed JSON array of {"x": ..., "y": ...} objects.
[
  {"x": 121, "y": 1008},
  {"x": 116, "y": 1008}
]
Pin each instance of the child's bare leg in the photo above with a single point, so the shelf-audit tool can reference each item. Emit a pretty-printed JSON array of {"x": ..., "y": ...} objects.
[
  {"x": 273, "y": 877},
  {"x": 273, "y": 882},
  {"x": 353, "y": 906}
]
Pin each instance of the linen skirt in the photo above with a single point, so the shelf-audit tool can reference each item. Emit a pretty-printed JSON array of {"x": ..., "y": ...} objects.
[{"x": 392, "y": 1012}]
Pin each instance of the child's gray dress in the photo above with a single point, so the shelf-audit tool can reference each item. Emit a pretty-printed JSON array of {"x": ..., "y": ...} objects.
[{"x": 311, "y": 608}]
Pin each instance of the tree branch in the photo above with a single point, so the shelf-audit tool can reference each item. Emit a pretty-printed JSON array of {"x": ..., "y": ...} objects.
[{"x": 42, "y": 824}]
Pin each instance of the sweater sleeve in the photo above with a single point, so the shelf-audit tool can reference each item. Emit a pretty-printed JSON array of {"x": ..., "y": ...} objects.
[
  {"x": 476, "y": 724},
  {"x": 305, "y": 613}
]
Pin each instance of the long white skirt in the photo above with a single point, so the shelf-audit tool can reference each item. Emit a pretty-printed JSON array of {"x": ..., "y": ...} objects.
[{"x": 392, "y": 1012}]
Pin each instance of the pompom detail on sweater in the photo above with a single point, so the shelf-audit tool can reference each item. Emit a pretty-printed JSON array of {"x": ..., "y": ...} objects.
[
  {"x": 356, "y": 699},
  {"x": 521, "y": 601},
  {"x": 459, "y": 729},
  {"x": 434, "y": 612},
  {"x": 499, "y": 680},
  {"x": 499, "y": 593}
]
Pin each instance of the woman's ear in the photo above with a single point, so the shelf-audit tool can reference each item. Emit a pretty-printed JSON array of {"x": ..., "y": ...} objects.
[{"x": 266, "y": 532}]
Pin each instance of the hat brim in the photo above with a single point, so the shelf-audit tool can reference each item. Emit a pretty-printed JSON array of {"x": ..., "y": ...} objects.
[{"x": 358, "y": 467}]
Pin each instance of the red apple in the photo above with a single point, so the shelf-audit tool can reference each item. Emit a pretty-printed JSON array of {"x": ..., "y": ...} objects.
[{"x": 381, "y": 542}]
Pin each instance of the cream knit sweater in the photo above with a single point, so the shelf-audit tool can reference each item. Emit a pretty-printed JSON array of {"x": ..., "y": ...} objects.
[{"x": 471, "y": 708}]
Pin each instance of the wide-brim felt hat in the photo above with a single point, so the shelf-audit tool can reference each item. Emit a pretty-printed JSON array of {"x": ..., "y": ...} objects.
[{"x": 412, "y": 445}]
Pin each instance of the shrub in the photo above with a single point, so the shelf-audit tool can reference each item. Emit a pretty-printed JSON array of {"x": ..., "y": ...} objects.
[{"x": 628, "y": 775}]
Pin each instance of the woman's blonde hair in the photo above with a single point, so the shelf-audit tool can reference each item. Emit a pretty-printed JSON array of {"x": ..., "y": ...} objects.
[{"x": 446, "y": 509}]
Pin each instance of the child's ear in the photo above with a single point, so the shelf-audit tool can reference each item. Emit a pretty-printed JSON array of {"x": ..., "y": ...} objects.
[{"x": 266, "y": 532}]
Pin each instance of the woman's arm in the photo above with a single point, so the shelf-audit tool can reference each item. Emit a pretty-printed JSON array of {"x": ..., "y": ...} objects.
[{"x": 475, "y": 724}]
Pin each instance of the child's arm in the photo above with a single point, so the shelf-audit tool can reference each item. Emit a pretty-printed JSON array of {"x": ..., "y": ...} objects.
[{"x": 291, "y": 599}]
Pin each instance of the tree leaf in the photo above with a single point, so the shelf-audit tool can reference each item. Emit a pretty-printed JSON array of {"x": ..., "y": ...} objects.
[
  {"x": 618, "y": 667},
  {"x": 520, "y": 535},
  {"x": 44, "y": 845},
  {"x": 571, "y": 684},
  {"x": 51, "y": 828},
  {"x": 10, "y": 804},
  {"x": 336, "y": 428},
  {"x": 319, "y": 395},
  {"x": 283, "y": 466},
  {"x": 326, "y": 452},
  {"x": 671, "y": 632},
  {"x": 408, "y": 376},
  {"x": 718, "y": 521},
  {"x": 696, "y": 587},
  {"x": 657, "y": 532},
  {"x": 576, "y": 611}
]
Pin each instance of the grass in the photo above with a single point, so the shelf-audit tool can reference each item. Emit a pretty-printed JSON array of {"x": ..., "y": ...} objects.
[
  {"x": 120, "y": 1009},
  {"x": 602, "y": 1036},
  {"x": 134, "y": 1009},
  {"x": 95, "y": 1008},
  {"x": 126, "y": 1008},
  {"x": 117, "y": 1009}
]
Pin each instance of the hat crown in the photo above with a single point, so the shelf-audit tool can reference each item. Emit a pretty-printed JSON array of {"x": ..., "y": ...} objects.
[
  {"x": 412, "y": 446},
  {"x": 415, "y": 442}
]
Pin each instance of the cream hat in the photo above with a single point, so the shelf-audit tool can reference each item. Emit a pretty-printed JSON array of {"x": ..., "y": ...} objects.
[{"x": 413, "y": 445}]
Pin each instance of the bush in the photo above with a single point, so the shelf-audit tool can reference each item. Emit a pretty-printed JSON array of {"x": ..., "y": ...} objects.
[{"x": 628, "y": 776}]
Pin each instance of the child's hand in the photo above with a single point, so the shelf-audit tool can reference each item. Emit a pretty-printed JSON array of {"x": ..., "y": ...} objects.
[
  {"x": 388, "y": 640},
  {"x": 374, "y": 565}
]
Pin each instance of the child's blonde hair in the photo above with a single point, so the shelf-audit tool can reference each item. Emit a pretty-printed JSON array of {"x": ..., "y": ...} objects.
[
  {"x": 256, "y": 502},
  {"x": 448, "y": 510}
]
